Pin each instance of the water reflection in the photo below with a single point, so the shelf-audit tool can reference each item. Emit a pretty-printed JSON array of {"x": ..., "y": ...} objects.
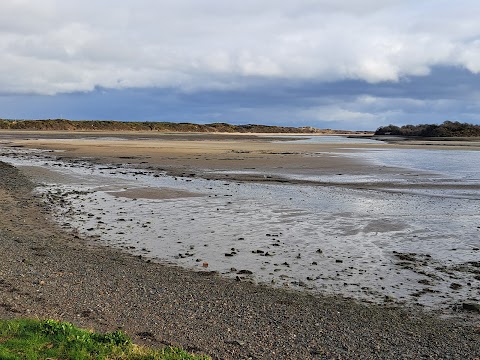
[{"x": 457, "y": 164}]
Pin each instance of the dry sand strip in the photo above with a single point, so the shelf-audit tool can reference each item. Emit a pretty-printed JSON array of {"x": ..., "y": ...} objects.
[{"x": 47, "y": 273}]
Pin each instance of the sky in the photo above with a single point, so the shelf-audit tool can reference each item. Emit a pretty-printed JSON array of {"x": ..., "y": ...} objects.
[{"x": 350, "y": 64}]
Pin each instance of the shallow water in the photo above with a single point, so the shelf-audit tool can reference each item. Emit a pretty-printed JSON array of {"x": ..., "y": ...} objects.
[
  {"x": 327, "y": 139},
  {"x": 452, "y": 164},
  {"x": 368, "y": 244}
]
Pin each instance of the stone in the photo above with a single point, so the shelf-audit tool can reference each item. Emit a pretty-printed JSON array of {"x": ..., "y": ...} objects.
[
  {"x": 471, "y": 307},
  {"x": 455, "y": 286},
  {"x": 234, "y": 342},
  {"x": 245, "y": 272}
]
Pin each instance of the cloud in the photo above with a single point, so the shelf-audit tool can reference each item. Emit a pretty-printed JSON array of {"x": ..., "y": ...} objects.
[
  {"x": 57, "y": 47},
  {"x": 325, "y": 63},
  {"x": 444, "y": 94}
]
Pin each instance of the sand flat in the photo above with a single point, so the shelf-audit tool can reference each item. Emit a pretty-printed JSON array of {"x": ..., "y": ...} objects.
[
  {"x": 269, "y": 205},
  {"x": 229, "y": 153}
]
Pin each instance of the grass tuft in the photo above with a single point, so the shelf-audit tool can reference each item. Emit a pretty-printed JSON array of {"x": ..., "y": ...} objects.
[{"x": 50, "y": 339}]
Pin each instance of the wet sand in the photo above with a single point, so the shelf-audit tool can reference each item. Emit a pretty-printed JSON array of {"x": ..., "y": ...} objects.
[
  {"x": 46, "y": 272},
  {"x": 242, "y": 160},
  {"x": 212, "y": 154},
  {"x": 173, "y": 155},
  {"x": 315, "y": 216}
]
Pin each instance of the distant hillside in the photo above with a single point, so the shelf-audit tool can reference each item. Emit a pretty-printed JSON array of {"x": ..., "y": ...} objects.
[
  {"x": 92, "y": 125},
  {"x": 447, "y": 129}
]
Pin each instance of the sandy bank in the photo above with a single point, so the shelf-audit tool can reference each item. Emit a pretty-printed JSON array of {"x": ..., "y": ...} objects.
[{"x": 177, "y": 153}]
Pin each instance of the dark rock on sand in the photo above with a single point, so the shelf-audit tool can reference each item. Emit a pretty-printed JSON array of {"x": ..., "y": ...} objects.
[
  {"x": 471, "y": 307},
  {"x": 455, "y": 286},
  {"x": 244, "y": 272}
]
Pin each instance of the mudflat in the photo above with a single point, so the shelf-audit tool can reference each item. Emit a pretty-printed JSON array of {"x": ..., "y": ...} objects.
[{"x": 47, "y": 272}]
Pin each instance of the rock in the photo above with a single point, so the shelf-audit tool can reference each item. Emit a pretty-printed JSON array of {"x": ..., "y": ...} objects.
[
  {"x": 455, "y": 286},
  {"x": 207, "y": 273},
  {"x": 244, "y": 272},
  {"x": 146, "y": 335},
  {"x": 425, "y": 282},
  {"x": 234, "y": 342},
  {"x": 319, "y": 251},
  {"x": 471, "y": 307},
  {"x": 406, "y": 256}
]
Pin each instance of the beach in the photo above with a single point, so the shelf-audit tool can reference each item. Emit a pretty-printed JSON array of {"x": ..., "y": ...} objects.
[{"x": 257, "y": 203}]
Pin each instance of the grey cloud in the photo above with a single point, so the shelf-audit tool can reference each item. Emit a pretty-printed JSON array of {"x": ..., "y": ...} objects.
[{"x": 446, "y": 94}]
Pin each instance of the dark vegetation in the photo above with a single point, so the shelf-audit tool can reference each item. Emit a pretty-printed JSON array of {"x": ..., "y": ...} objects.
[
  {"x": 94, "y": 125},
  {"x": 447, "y": 129}
]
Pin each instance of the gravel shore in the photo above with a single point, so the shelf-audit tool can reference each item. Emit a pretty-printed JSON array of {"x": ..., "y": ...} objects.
[{"x": 45, "y": 272}]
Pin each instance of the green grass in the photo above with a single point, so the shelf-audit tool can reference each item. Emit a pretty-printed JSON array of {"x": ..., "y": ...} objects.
[{"x": 54, "y": 340}]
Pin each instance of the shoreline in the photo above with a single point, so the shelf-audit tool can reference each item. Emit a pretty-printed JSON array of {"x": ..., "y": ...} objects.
[
  {"x": 145, "y": 169},
  {"x": 243, "y": 158},
  {"x": 53, "y": 274}
]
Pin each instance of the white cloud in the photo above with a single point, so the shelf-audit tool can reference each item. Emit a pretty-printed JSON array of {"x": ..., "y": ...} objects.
[
  {"x": 335, "y": 113},
  {"x": 370, "y": 112},
  {"x": 55, "y": 46},
  {"x": 469, "y": 56}
]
